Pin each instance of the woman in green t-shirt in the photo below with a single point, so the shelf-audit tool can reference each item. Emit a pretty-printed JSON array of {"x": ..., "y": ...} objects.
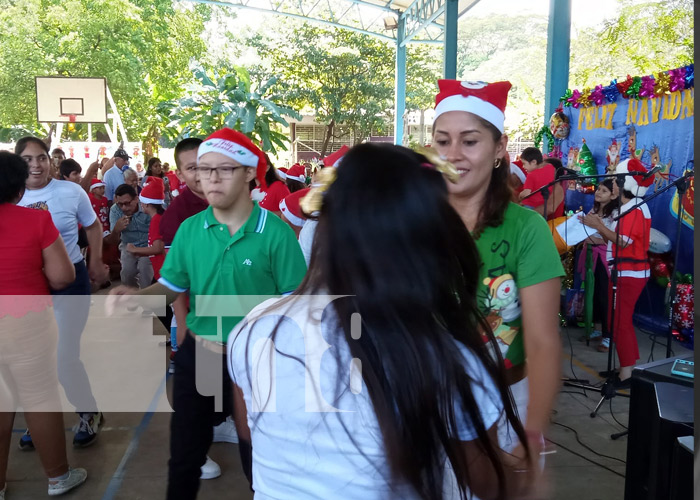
[{"x": 520, "y": 267}]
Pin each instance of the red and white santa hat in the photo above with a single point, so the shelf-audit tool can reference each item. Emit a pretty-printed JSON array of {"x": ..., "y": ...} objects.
[
  {"x": 282, "y": 172},
  {"x": 290, "y": 207},
  {"x": 635, "y": 184},
  {"x": 96, "y": 183},
  {"x": 333, "y": 160},
  {"x": 297, "y": 173},
  {"x": 486, "y": 100},
  {"x": 153, "y": 191},
  {"x": 238, "y": 147}
]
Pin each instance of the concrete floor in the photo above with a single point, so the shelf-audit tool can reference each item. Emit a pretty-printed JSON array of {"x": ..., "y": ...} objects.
[{"x": 129, "y": 461}]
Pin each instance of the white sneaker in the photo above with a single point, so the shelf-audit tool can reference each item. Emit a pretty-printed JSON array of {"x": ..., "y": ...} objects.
[
  {"x": 210, "y": 469},
  {"x": 225, "y": 432},
  {"x": 75, "y": 478}
]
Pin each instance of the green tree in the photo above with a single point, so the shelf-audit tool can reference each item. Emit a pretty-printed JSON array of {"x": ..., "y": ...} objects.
[
  {"x": 214, "y": 100},
  {"x": 646, "y": 38},
  {"x": 344, "y": 77},
  {"x": 509, "y": 48},
  {"x": 142, "y": 47},
  {"x": 424, "y": 68}
]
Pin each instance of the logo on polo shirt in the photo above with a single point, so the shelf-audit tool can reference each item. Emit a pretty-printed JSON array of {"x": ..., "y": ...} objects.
[{"x": 247, "y": 262}]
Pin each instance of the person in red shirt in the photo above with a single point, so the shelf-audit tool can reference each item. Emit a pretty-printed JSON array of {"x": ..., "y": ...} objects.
[
  {"x": 99, "y": 203},
  {"x": 275, "y": 190},
  {"x": 34, "y": 260},
  {"x": 152, "y": 198},
  {"x": 538, "y": 174},
  {"x": 629, "y": 254}
]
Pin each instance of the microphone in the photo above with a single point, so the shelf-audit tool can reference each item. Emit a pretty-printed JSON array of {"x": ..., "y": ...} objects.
[
  {"x": 570, "y": 170},
  {"x": 652, "y": 172},
  {"x": 646, "y": 174}
]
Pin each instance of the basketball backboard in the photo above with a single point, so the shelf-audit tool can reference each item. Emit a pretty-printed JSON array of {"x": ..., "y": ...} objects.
[{"x": 68, "y": 99}]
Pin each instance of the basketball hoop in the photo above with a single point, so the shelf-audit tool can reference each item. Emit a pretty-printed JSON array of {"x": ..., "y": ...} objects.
[{"x": 71, "y": 118}]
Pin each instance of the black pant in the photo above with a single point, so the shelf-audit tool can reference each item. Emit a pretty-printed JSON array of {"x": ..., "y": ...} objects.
[
  {"x": 600, "y": 298},
  {"x": 194, "y": 416}
]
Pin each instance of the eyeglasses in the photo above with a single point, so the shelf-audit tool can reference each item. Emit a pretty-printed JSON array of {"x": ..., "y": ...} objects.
[
  {"x": 222, "y": 172},
  {"x": 125, "y": 203}
]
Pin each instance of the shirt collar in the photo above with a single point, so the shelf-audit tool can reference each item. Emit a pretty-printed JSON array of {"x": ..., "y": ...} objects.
[{"x": 255, "y": 223}]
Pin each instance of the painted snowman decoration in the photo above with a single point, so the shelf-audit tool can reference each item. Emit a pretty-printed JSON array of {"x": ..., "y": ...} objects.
[{"x": 503, "y": 297}]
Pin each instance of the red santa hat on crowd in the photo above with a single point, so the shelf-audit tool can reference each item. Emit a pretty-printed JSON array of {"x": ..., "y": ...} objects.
[
  {"x": 635, "y": 184},
  {"x": 290, "y": 207},
  {"x": 238, "y": 147},
  {"x": 282, "y": 171},
  {"x": 153, "y": 191},
  {"x": 333, "y": 160},
  {"x": 297, "y": 173},
  {"x": 96, "y": 183},
  {"x": 486, "y": 100}
]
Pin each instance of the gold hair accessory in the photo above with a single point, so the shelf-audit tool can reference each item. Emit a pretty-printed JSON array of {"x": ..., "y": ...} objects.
[
  {"x": 313, "y": 200},
  {"x": 441, "y": 164}
]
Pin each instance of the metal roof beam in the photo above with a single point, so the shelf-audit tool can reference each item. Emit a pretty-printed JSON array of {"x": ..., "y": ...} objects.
[
  {"x": 221, "y": 3},
  {"x": 421, "y": 14},
  {"x": 375, "y": 6}
]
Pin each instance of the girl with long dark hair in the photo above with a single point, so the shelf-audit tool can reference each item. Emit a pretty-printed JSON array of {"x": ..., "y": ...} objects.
[
  {"x": 605, "y": 207},
  {"x": 155, "y": 169},
  {"x": 374, "y": 375},
  {"x": 69, "y": 206},
  {"x": 519, "y": 290}
]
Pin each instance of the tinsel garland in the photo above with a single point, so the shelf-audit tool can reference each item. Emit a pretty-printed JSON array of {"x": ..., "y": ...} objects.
[
  {"x": 644, "y": 87},
  {"x": 544, "y": 131}
]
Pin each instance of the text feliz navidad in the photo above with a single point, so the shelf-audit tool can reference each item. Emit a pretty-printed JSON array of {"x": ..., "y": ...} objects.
[{"x": 673, "y": 106}]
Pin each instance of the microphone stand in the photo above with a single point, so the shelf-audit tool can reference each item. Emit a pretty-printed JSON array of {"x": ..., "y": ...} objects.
[
  {"x": 545, "y": 194},
  {"x": 681, "y": 185}
]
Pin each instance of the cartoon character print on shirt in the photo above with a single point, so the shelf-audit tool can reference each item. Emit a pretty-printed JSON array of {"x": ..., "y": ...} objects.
[
  {"x": 502, "y": 306},
  {"x": 39, "y": 205}
]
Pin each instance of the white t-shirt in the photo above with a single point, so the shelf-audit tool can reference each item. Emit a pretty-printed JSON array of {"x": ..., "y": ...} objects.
[
  {"x": 306, "y": 238},
  {"x": 301, "y": 424},
  {"x": 69, "y": 206}
]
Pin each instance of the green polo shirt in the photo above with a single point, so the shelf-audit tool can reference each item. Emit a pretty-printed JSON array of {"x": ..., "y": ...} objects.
[{"x": 262, "y": 258}]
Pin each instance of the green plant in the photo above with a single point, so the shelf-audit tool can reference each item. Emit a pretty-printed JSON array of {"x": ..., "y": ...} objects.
[{"x": 220, "y": 98}]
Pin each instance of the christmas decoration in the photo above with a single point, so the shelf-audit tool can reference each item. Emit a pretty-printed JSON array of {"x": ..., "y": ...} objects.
[
  {"x": 612, "y": 156},
  {"x": 559, "y": 124},
  {"x": 632, "y": 143},
  {"x": 684, "y": 307},
  {"x": 550, "y": 138},
  {"x": 661, "y": 265},
  {"x": 647, "y": 88},
  {"x": 572, "y": 158},
  {"x": 637, "y": 87},
  {"x": 677, "y": 79},
  {"x": 587, "y": 163},
  {"x": 597, "y": 96}
]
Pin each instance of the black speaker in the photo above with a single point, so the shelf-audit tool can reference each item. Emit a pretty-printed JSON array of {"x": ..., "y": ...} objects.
[
  {"x": 682, "y": 469},
  {"x": 661, "y": 410}
]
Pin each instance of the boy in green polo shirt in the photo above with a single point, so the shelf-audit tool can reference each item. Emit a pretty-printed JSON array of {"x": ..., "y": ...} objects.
[{"x": 232, "y": 248}]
